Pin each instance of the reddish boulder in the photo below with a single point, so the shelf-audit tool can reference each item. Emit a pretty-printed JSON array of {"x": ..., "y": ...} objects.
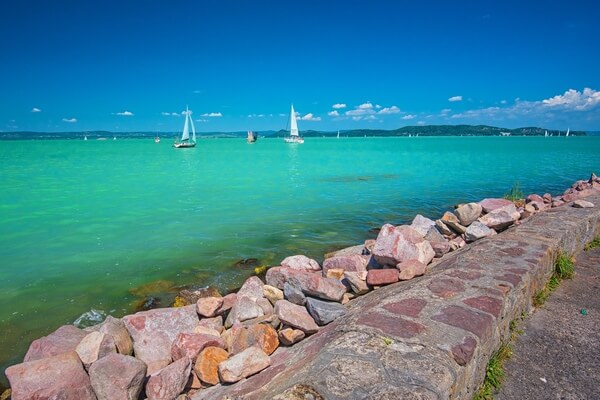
[
  {"x": 63, "y": 340},
  {"x": 207, "y": 364},
  {"x": 410, "y": 268},
  {"x": 295, "y": 316},
  {"x": 534, "y": 197},
  {"x": 378, "y": 277},
  {"x": 95, "y": 346},
  {"x": 189, "y": 345},
  {"x": 490, "y": 205},
  {"x": 252, "y": 288},
  {"x": 353, "y": 262},
  {"x": 116, "y": 328},
  {"x": 118, "y": 376},
  {"x": 290, "y": 336},
  {"x": 260, "y": 335},
  {"x": 396, "y": 244},
  {"x": 170, "y": 381},
  {"x": 208, "y": 306}
]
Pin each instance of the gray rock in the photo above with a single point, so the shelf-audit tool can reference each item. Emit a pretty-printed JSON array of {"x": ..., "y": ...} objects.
[
  {"x": 422, "y": 224},
  {"x": 118, "y": 376},
  {"x": 301, "y": 262},
  {"x": 357, "y": 281},
  {"x": 293, "y": 293},
  {"x": 434, "y": 235},
  {"x": 468, "y": 213},
  {"x": 582, "y": 204},
  {"x": 323, "y": 312},
  {"x": 244, "y": 308},
  {"x": 477, "y": 231},
  {"x": 311, "y": 283}
]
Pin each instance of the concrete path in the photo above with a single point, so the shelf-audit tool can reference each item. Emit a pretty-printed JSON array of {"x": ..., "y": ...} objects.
[{"x": 558, "y": 354}]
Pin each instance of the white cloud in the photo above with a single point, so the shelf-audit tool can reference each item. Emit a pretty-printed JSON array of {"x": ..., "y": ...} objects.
[
  {"x": 371, "y": 118},
  {"x": 358, "y": 118},
  {"x": 35, "y": 109},
  {"x": 310, "y": 117},
  {"x": 409, "y": 116},
  {"x": 365, "y": 106},
  {"x": 333, "y": 113},
  {"x": 174, "y": 114},
  {"x": 503, "y": 101},
  {"x": 574, "y": 100},
  {"x": 257, "y": 115},
  {"x": 70, "y": 120},
  {"x": 201, "y": 120},
  {"x": 455, "y": 98},
  {"x": 212, "y": 114},
  {"x": 389, "y": 110},
  {"x": 339, "y": 105},
  {"x": 445, "y": 112},
  {"x": 125, "y": 113},
  {"x": 377, "y": 106},
  {"x": 421, "y": 123}
]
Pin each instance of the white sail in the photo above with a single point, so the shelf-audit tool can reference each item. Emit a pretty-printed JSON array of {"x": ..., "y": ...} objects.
[
  {"x": 193, "y": 129},
  {"x": 293, "y": 123},
  {"x": 338, "y": 136},
  {"x": 186, "y": 130},
  {"x": 568, "y": 130}
]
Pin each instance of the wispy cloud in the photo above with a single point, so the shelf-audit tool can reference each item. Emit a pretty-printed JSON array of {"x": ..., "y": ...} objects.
[
  {"x": 389, "y": 110},
  {"x": 201, "y": 120},
  {"x": 310, "y": 117},
  {"x": 338, "y": 106},
  {"x": 35, "y": 110},
  {"x": 70, "y": 120},
  {"x": 409, "y": 116},
  {"x": 455, "y": 98},
  {"x": 125, "y": 113},
  {"x": 445, "y": 112},
  {"x": 365, "y": 106},
  {"x": 167, "y": 114},
  {"x": 256, "y": 115},
  {"x": 333, "y": 113},
  {"x": 212, "y": 114}
]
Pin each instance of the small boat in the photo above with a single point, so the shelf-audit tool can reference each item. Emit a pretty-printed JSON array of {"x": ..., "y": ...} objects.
[
  {"x": 185, "y": 141},
  {"x": 156, "y": 139},
  {"x": 252, "y": 137},
  {"x": 546, "y": 134},
  {"x": 114, "y": 138},
  {"x": 568, "y": 130},
  {"x": 85, "y": 138},
  {"x": 294, "y": 134},
  {"x": 338, "y": 136}
]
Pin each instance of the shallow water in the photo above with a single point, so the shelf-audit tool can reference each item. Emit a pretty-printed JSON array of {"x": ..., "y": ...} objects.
[{"x": 102, "y": 224}]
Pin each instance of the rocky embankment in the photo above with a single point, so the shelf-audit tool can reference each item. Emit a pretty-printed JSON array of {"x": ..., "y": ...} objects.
[{"x": 312, "y": 329}]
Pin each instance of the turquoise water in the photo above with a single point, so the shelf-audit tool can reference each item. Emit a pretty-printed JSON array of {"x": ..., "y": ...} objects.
[{"x": 88, "y": 224}]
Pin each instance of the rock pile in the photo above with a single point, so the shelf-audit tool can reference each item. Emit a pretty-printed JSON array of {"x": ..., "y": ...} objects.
[{"x": 162, "y": 353}]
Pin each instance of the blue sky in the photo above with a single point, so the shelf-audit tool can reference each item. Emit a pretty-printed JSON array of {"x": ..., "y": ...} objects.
[{"x": 134, "y": 65}]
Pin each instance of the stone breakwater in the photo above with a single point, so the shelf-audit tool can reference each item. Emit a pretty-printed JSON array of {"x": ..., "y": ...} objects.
[{"x": 343, "y": 329}]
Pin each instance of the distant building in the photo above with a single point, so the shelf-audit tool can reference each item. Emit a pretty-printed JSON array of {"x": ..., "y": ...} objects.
[{"x": 505, "y": 133}]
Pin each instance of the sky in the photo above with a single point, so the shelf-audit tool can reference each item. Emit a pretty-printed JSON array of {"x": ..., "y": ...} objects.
[{"x": 135, "y": 65}]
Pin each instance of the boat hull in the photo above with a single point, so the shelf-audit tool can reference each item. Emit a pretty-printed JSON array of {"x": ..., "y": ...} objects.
[
  {"x": 184, "y": 145},
  {"x": 294, "y": 139}
]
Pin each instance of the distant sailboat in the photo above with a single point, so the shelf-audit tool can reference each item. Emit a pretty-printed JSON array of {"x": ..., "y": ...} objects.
[
  {"x": 294, "y": 134},
  {"x": 252, "y": 137},
  {"x": 568, "y": 130},
  {"x": 185, "y": 136},
  {"x": 546, "y": 134},
  {"x": 114, "y": 138},
  {"x": 157, "y": 139},
  {"x": 338, "y": 136},
  {"x": 85, "y": 137}
]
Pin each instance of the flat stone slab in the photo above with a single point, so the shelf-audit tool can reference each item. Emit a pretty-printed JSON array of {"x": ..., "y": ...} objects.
[{"x": 430, "y": 337}]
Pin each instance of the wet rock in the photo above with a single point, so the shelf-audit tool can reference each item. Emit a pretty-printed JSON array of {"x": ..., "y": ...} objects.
[
  {"x": 209, "y": 306},
  {"x": 410, "y": 269},
  {"x": 55, "y": 377},
  {"x": 244, "y": 364},
  {"x": 170, "y": 381},
  {"x": 312, "y": 284},
  {"x": 290, "y": 336},
  {"x": 396, "y": 244},
  {"x": 262, "y": 336},
  {"x": 582, "y": 204},
  {"x": 148, "y": 303},
  {"x": 293, "y": 293},
  {"x": 116, "y": 328},
  {"x": 95, "y": 346},
  {"x": 295, "y": 316},
  {"x": 468, "y": 213},
  {"x": 244, "y": 309},
  {"x": 89, "y": 318},
  {"x": 477, "y": 231},
  {"x": 379, "y": 277},
  {"x": 355, "y": 262},
  {"x": 191, "y": 344},
  {"x": 117, "y": 376},
  {"x": 422, "y": 224},
  {"x": 207, "y": 364},
  {"x": 64, "y": 339},
  {"x": 154, "y": 332},
  {"x": 452, "y": 222},
  {"x": 246, "y": 263},
  {"x": 301, "y": 263},
  {"x": 357, "y": 281},
  {"x": 440, "y": 248},
  {"x": 489, "y": 205},
  {"x": 272, "y": 293},
  {"x": 324, "y": 312},
  {"x": 252, "y": 288}
]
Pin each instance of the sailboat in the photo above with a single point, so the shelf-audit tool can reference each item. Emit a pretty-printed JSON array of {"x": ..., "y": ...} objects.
[
  {"x": 568, "y": 130},
  {"x": 546, "y": 134},
  {"x": 294, "y": 135},
  {"x": 252, "y": 136},
  {"x": 185, "y": 136},
  {"x": 85, "y": 138},
  {"x": 338, "y": 136},
  {"x": 157, "y": 139}
]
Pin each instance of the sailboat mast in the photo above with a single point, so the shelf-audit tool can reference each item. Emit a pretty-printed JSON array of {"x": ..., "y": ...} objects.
[
  {"x": 193, "y": 129},
  {"x": 293, "y": 123}
]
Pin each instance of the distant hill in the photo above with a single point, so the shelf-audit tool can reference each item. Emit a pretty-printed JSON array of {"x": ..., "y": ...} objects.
[{"x": 426, "y": 130}]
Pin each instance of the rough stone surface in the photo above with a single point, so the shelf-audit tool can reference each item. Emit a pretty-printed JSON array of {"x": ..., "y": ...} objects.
[
  {"x": 452, "y": 222},
  {"x": 118, "y": 377},
  {"x": 272, "y": 293},
  {"x": 356, "y": 282},
  {"x": 244, "y": 364},
  {"x": 422, "y": 224},
  {"x": 354, "y": 262},
  {"x": 489, "y": 205},
  {"x": 154, "y": 332},
  {"x": 295, "y": 316},
  {"x": 293, "y": 293},
  {"x": 377, "y": 277},
  {"x": 63, "y": 340},
  {"x": 301, "y": 263},
  {"x": 477, "y": 231},
  {"x": 170, "y": 381},
  {"x": 191, "y": 344},
  {"x": 262, "y": 336},
  {"x": 116, "y": 328},
  {"x": 245, "y": 308},
  {"x": 56, "y": 377},
  {"x": 290, "y": 336},
  {"x": 95, "y": 346},
  {"x": 335, "y": 273},
  {"x": 252, "y": 288},
  {"x": 410, "y": 268},
  {"x": 358, "y": 249},
  {"x": 443, "y": 228},
  {"x": 324, "y": 312},
  {"x": 534, "y": 197},
  {"x": 582, "y": 204},
  {"x": 312, "y": 284},
  {"x": 501, "y": 218},
  {"x": 207, "y": 364},
  {"x": 215, "y": 323},
  {"x": 396, "y": 244},
  {"x": 468, "y": 213},
  {"x": 434, "y": 236},
  {"x": 440, "y": 248},
  {"x": 207, "y": 307}
]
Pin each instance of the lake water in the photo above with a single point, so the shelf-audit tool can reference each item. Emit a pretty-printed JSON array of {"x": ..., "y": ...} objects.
[{"x": 102, "y": 224}]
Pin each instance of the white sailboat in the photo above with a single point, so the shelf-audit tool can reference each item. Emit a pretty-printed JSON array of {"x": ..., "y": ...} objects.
[
  {"x": 85, "y": 138},
  {"x": 338, "y": 136},
  {"x": 568, "y": 130},
  {"x": 185, "y": 141},
  {"x": 294, "y": 134},
  {"x": 546, "y": 134}
]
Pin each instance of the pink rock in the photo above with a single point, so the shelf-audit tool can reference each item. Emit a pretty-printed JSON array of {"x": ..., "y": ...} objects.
[
  {"x": 116, "y": 328},
  {"x": 467, "y": 213},
  {"x": 215, "y": 323},
  {"x": 208, "y": 306},
  {"x": 396, "y": 244},
  {"x": 295, "y": 316},
  {"x": 311, "y": 284},
  {"x": 228, "y": 302},
  {"x": 440, "y": 248},
  {"x": 501, "y": 218},
  {"x": 422, "y": 224},
  {"x": 354, "y": 262},
  {"x": 582, "y": 204},
  {"x": 244, "y": 364},
  {"x": 378, "y": 277},
  {"x": 95, "y": 346},
  {"x": 170, "y": 381},
  {"x": 266, "y": 305},
  {"x": 244, "y": 309},
  {"x": 191, "y": 344},
  {"x": 537, "y": 205},
  {"x": 457, "y": 243},
  {"x": 252, "y": 288},
  {"x": 55, "y": 377},
  {"x": 410, "y": 268},
  {"x": 154, "y": 332},
  {"x": 557, "y": 203},
  {"x": 118, "y": 376},
  {"x": 357, "y": 281},
  {"x": 534, "y": 197},
  {"x": 547, "y": 197},
  {"x": 64, "y": 339},
  {"x": 290, "y": 336},
  {"x": 489, "y": 205},
  {"x": 301, "y": 263}
]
